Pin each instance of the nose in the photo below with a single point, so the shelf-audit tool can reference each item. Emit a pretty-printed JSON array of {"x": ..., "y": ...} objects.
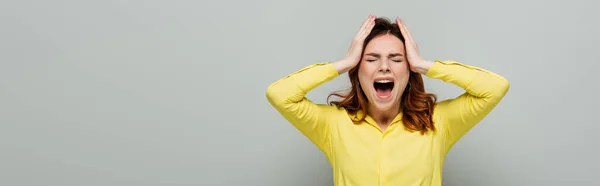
[{"x": 384, "y": 67}]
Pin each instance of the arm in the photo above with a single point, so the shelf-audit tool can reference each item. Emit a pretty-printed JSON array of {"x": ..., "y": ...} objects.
[
  {"x": 287, "y": 96},
  {"x": 484, "y": 90}
]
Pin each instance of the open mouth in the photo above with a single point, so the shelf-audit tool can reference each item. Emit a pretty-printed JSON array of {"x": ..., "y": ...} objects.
[{"x": 384, "y": 87}]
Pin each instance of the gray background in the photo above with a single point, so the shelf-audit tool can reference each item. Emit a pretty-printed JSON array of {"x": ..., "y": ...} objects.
[{"x": 172, "y": 92}]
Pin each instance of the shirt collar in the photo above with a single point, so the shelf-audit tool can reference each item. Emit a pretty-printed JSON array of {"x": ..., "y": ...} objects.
[{"x": 371, "y": 121}]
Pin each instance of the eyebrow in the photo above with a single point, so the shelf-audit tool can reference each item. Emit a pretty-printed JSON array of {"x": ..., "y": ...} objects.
[{"x": 378, "y": 55}]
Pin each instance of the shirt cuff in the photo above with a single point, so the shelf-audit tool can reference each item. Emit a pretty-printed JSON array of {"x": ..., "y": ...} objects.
[{"x": 435, "y": 69}]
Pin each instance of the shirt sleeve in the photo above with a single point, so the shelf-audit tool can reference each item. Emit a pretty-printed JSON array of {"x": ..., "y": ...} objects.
[
  {"x": 287, "y": 96},
  {"x": 483, "y": 91}
]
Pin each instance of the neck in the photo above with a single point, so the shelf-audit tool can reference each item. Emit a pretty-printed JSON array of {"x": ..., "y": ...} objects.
[{"x": 383, "y": 117}]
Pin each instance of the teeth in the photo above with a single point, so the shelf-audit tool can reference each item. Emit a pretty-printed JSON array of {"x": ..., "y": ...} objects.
[{"x": 384, "y": 81}]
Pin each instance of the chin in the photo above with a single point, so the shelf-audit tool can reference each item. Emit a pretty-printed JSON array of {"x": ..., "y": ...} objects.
[
  {"x": 385, "y": 103},
  {"x": 384, "y": 106}
]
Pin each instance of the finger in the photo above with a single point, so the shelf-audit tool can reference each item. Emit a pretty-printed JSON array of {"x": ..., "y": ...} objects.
[
  {"x": 366, "y": 28},
  {"x": 366, "y": 22},
  {"x": 362, "y": 28},
  {"x": 404, "y": 30},
  {"x": 409, "y": 40},
  {"x": 370, "y": 25}
]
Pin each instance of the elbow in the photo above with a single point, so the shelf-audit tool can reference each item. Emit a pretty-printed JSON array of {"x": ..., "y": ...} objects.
[
  {"x": 270, "y": 93},
  {"x": 273, "y": 94},
  {"x": 505, "y": 85},
  {"x": 502, "y": 87}
]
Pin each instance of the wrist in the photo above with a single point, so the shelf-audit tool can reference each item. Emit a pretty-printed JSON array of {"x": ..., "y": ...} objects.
[
  {"x": 423, "y": 67},
  {"x": 343, "y": 66}
]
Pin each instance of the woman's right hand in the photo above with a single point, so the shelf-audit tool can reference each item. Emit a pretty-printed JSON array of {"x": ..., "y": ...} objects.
[{"x": 353, "y": 56}]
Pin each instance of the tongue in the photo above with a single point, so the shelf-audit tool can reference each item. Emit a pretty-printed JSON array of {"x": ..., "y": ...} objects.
[{"x": 384, "y": 92}]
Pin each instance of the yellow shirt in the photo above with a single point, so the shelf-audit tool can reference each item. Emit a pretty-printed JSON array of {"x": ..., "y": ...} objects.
[{"x": 363, "y": 155}]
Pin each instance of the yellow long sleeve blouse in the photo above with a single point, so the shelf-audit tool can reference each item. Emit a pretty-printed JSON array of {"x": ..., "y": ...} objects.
[{"x": 361, "y": 154}]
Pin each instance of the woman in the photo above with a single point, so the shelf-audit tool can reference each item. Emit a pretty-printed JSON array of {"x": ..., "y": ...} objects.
[{"x": 387, "y": 130}]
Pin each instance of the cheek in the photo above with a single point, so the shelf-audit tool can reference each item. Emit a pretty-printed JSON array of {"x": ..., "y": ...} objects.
[
  {"x": 363, "y": 72},
  {"x": 401, "y": 68},
  {"x": 402, "y": 71},
  {"x": 368, "y": 68},
  {"x": 364, "y": 78}
]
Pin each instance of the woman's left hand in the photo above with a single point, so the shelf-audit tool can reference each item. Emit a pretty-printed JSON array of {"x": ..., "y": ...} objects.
[{"x": 415, "y": 60}]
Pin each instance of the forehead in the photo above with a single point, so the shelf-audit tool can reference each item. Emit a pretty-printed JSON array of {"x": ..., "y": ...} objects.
[{"x": 387, "y": 43}]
